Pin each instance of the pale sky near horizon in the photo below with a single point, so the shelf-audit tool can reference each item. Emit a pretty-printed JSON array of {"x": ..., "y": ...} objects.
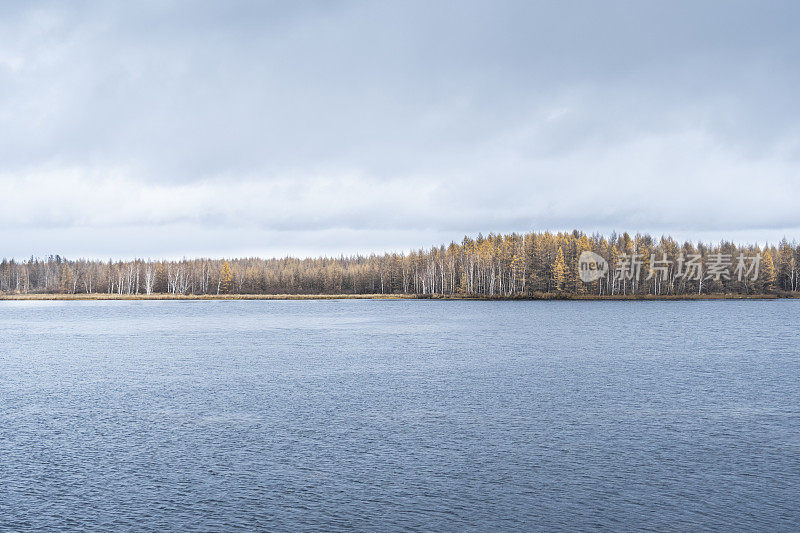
[{"x": 169, "y": 129}]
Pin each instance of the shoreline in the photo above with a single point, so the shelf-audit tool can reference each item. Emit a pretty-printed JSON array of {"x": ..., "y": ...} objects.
[{"x": 542, "y": 297}]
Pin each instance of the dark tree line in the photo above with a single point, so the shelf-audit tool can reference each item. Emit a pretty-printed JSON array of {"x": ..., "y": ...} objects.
[{"x": 495, "y": 265}]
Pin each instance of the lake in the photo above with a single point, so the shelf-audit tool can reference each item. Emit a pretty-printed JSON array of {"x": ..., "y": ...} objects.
[{"x": 390, "y": 415}]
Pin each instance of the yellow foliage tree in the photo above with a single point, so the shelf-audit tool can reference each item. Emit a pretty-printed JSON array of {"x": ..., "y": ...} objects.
[
  {"x": 582, "y": 246},
  {"x": 768, "y": 273},
  {"x": 67, "y": 279},
  {"x": 559, "y": 271},
  {"x": 225, "y": 279}
]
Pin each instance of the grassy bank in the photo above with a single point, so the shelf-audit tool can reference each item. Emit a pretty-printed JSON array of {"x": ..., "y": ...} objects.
[{"x": 537, "y": 296}]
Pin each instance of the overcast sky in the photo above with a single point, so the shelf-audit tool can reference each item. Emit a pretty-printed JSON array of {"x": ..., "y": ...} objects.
[{"x": 166, "y": 129}]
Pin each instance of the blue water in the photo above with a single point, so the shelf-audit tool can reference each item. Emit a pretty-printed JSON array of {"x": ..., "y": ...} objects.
[{"x": 389, "y": 415}]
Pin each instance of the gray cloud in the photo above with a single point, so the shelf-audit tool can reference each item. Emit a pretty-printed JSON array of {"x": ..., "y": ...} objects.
[{"x": 404, "y": 121}]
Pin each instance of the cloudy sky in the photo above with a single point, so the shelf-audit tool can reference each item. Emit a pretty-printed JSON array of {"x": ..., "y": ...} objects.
[{"x": 166, "y": 129}]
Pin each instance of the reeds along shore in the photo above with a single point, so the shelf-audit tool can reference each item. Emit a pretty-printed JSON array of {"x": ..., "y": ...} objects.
[{"x": 531, "y": 265}]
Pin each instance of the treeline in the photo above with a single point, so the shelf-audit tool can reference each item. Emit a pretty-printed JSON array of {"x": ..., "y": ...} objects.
[{"x": 509, "y": 265}]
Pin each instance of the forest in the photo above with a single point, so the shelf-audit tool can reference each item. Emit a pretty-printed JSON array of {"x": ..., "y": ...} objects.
[{"x": 536, "y": 264}]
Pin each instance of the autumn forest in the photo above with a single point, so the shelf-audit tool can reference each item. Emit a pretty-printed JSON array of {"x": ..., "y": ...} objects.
[{"x": 537, "y": 264}]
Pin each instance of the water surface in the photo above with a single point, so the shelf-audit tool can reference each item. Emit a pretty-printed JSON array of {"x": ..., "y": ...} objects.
[{"x": 388, "y": 415}]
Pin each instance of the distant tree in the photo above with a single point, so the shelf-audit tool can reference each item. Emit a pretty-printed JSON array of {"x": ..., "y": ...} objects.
[
  {"x": 559, "y": 271},
  {"x": 785, "y": 266},
  {"x": 768, "y": 273},
  {"x": 583, "y": 245},
  {"x": 225, "y": 279},
  {"x": 68, "y": 279}
]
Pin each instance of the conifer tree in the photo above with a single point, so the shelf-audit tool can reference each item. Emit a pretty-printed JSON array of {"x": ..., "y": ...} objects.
[
  {"x": 67, "y": 279},
  {"x": 785, "y": 265},
  {"x": 559, "y": 270},
  {"x": 582, "y": 246},
  {"x": 225, "y": 279},
  {"x": 768, "y": 273}
]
